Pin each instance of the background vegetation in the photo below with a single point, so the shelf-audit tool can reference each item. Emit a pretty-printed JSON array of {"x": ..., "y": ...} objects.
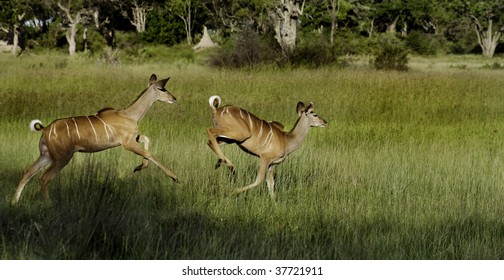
[
  {"x": 410, "y": 166},
  {"x": 325, "y": 29}
]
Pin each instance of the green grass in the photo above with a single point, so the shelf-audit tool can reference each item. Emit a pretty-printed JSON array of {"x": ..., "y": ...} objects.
[{"x": 409, "y": 167}]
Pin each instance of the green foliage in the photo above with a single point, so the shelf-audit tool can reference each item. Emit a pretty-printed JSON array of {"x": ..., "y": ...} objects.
[
  {"x": 390, "y": 54},
  {"x": 425, "y": 44},
  {"x": 313, "y": 52},
  {"x": 247, "y": 49},
  {"x": 347, "y": 42},
  {"x": 163, "y": 28},
  {"x": 432, "y": 26}
]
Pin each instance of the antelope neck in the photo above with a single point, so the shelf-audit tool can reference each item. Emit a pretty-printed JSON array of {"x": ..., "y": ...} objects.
[
  {"x": 140, "y": 106},
  {"x": 297, "y": 135}
]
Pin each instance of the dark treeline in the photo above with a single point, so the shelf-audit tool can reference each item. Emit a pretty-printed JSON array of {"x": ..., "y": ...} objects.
[{"x": 314, "y": 30}]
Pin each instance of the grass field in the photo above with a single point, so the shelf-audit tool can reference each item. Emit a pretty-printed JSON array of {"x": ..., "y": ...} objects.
[{"x": 410, "y": 165}]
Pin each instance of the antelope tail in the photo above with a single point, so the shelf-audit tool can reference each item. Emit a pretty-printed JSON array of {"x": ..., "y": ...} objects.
[
  {"x": 36, "y": 125},
  {"x": 214, "y": 101}
]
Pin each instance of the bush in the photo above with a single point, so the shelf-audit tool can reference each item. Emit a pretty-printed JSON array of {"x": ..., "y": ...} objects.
[
  {"x": 313, "y": 54},
  {"x": 249, "y": 49},
  {"x": 347, "y": 42},
  {"x": 424, "y": 44},
  {"x": 246, "y": 50},
  {"x": 163, "y": 28},
  {"x": 391, "y": 54}
]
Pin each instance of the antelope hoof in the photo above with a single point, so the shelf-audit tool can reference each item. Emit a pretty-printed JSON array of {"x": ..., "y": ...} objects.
[
  {"x": 176, "y": 180},
  {"x": 218, "y": 164},
  {"x": 138, "y": 168},
  {"x": 232, "y": 170}
]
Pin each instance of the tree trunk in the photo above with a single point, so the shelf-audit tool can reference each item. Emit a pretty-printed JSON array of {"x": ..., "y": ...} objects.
[
  {"x": 84, "y": 37},
  {"x": 188, "y": 27},
  {"x": 487, "y": 39},
  {"x": 335, "y": 7},
  {"x": 71, "y": 30},
  {"x": 16, "y": 30},
  {"x": 70, "y": 36},
  {"x": 392, "y": 27},
  {"x": 186, "y": 13},
  {"x": 139, "y": 14},
  {"x": 15, "y": 39},
  {"x": 105, "y": 28},
  {"x": 139, "y": 17},
  {"x": 370, "y": 29},
  {"x": 286, "y": 18}
]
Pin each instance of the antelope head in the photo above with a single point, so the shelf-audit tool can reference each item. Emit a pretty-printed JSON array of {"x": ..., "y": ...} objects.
[
  {"x": 159, "y": 90},
  {"x": 309, "y": 114}
]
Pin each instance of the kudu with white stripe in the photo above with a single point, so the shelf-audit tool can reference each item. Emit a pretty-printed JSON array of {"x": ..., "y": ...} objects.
[
  {"x": 106, "y": 129},
  {"x": 264, "y": 139}
]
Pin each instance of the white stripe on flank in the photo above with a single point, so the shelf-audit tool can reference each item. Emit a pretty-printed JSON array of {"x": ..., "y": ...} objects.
[
  {"x": 96, "y": 135},
  {"x": 76, "y": 128},
  {"x": 268, "y": 137},
  {"x": 250, "y": 121},
  {"x": 68, "y": 129},
  {"x": 230, "y": 115},
  {"x": 50, "y": 132},
  {"x": 241, "y": 115},
  {"x": 260, "y": 129},
  {"x": 106, "y": 127}
]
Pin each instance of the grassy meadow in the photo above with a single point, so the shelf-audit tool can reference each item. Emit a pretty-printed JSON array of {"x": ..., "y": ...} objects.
[{"x": 411, "y": 165}]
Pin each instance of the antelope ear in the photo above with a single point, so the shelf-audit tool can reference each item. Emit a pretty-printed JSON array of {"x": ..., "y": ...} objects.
[
  {"x": 309, "y": 108},
  {"x": 152, "y": 79},
  {"x": 300, "y": 108},
  {"x": 162, "y": 83}
]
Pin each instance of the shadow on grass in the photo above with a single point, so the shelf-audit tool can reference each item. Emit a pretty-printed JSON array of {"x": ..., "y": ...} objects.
[{"x": 100, "y": 216}]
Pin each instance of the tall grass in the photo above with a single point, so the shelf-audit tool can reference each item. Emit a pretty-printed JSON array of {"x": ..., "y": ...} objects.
[{"x": 410, "y": 166}]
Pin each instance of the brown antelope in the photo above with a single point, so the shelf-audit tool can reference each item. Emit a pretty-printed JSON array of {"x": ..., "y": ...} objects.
[
  {"x": 106, "y": 129},
  {"x": 264, "y": 139}
]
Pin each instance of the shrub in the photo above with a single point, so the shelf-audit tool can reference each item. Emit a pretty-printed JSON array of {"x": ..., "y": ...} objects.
[
  {"x": 313, "y": 54},
  {"x": 347, "y": 42},
  {"x": 423, "y": 44},
  {"x": 246, "y": 50},
  {"x": 390, "y": 54},
  {"x": 249, "y": 49}
]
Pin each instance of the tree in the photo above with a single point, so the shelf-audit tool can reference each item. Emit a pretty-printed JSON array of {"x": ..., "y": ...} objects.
[
  {"x": 185, "y": 10},
  {"x": 13, "y": 15},
  {"x": 389, "y": 12},
  {"x": 231, "y": 16},
  {"x": 105, "y": 14},
  {"x": 338, "y": 9},
  {"x": 73, "y": 13},
  {"x": 138, "y": 13},
  {"x": 285, "y": 20},
  {"x": 163, "y": 27},
  {"x": 488, "y": 20}
]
